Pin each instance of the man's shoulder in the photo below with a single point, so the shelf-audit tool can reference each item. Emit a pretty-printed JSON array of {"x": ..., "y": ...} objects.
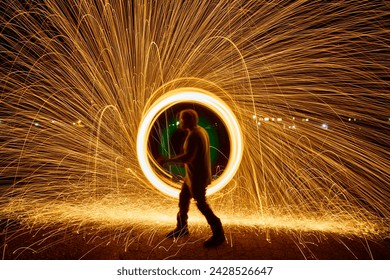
[
  {"x": 195, "y": 133},
  {"x": 198, "y": 131}
]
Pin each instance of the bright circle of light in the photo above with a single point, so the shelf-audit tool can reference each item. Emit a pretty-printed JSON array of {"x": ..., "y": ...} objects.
[{"x": 211, "y": 102}]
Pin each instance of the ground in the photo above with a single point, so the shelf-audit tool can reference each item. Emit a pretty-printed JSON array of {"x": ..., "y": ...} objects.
[{"x": 55, "y": 243}]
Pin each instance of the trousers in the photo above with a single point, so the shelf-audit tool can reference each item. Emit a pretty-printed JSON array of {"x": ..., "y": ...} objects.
[{"x": 198, "y": 193}]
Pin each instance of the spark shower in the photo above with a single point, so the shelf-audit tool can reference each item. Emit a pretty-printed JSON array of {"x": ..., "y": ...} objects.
[{"x": 308, "y": 82}]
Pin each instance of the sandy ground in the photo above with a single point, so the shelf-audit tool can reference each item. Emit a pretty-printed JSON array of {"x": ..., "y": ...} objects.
[{"x": 16, "y": 242}]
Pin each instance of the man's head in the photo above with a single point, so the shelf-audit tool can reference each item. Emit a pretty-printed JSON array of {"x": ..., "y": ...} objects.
[{"x": 188, "y": 119}]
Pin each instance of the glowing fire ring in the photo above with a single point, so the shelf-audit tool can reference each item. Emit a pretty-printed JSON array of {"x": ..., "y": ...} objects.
[{"x": 209, "y": 101}]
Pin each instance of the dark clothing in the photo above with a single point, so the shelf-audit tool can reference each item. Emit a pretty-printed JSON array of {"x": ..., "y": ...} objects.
[
  {"x": 196, "y": 157},
  {"x": 198, "y": 193}
]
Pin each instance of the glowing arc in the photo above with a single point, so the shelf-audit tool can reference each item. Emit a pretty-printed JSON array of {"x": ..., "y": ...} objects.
[{"x": 208, "y": 100}]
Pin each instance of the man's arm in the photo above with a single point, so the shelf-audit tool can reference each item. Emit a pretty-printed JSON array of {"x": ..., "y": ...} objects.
[
  {"x": 182, "y": 158},
  {"x": 185, "y": 157}
]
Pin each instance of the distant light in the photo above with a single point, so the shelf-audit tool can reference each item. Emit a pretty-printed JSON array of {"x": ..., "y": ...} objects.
[
  {"x": 36, "y": 124},
  {"x": 266, "y": 119},
  {"x": 325, "y": 126},
  {"x": 279, "y": 119},
  {"x": 259, "y": 123},
  {"x": 254, "y": 117},
  {"x": 177, "y": 123}
]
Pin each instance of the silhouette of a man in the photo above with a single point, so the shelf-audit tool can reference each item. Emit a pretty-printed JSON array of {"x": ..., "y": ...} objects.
[{"x": 196, "y": 159}]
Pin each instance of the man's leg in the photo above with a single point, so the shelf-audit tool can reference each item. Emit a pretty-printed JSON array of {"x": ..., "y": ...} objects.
[
  {"x": 184, "y": 206},
  {"x": 182, "y": 216},
  {"x": 218, "y": 236}
]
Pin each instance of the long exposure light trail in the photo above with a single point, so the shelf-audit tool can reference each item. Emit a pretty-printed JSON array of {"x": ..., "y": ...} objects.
[
  {"x": 306, "y": 81},
  {"x": 194, "y": 96}
]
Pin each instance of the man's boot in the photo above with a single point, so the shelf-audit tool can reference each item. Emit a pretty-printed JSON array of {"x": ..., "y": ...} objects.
[
  {"x": 217, "y": 238},
  {"x": 181, "y": 227},
  {"x": 178, "y": 232}
]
